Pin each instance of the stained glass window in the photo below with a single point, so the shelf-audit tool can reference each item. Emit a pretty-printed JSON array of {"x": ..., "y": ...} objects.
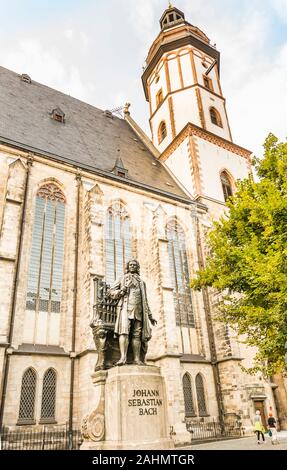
[
  {"x": 180, "y": 277},
  {"x": 162, "y": 132},
  {"x": 215, "y": 117},
  {"x": 27, "y": 398},
  {"x": 118, "y": 241},
  {"x": 200, "y": 393},
  {"x": 226, "y": 185},
  {"x": 188, "y": 398},
  {"x": 47, "y": 253},
  {"x": 48, "y": 406}
]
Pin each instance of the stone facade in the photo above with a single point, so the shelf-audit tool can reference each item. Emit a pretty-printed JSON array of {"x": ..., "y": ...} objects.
[
  {"x": 207, "y": 353},
  {"x": 149, "y": 215}
]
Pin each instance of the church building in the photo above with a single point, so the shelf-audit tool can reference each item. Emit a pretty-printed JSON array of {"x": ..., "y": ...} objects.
[{"x": 82, "y": 191}]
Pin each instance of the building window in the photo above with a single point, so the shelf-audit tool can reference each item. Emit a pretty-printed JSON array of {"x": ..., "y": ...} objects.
[
  {"x": 180, "y": 275},
  {"x": 118, "y": 241},
  {"x": 226, "y": 185},
  {"x": 48, "y": 406},
  {"x": 159, "y": 98},
  {"x": 215, "y": 117},
  {"x": 58, "y": 115},
  {"x": 25, "y": 78},
  {"x": 207, "y": 83},
  {"x": 187, "y": 394},
  {"x": 162, "y": 133},
  {"x": 46, "y": 260},
  {"x": 200, "y": 393},
  {"x": 27, "y": 398}
]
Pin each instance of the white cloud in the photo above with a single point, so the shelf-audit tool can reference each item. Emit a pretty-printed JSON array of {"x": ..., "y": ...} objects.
[
  {"x": 96, "y": 52},
  {"x": 142, "y": 16},
  {"x": 261, "y": 102},
  {"x": 254, "y": 81},
  {"x": 281, "y": 8},
  {"x": 253, "y": 75},
  {"x": 69, "y": 33},
  {"x": 84, "y": 39},
  {"x": 45, "y": 65}
]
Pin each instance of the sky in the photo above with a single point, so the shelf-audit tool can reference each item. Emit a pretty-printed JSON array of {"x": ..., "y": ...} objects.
[{"x": 95, "y": 50}]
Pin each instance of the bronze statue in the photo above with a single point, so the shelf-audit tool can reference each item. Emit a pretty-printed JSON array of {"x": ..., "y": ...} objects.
[{"x": 133, "y": 314}]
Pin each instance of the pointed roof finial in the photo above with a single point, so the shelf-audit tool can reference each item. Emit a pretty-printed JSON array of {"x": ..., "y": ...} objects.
[
  {"x": 127, "y": 109},
  {"x": 119, "y": 162},
  {"x": 170, "y": 5},
  {"x": 119, "y": 168}
]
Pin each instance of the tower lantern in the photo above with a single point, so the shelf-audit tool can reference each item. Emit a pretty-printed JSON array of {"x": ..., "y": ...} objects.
[
  {"x": 171, "y": 17},
  {"x": 188, "y": 117}
]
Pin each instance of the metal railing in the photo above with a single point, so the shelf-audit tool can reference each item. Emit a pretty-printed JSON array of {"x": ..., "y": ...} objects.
[
  {"x": 213, "y": 430},
  {"x": 47, "y": 438}
]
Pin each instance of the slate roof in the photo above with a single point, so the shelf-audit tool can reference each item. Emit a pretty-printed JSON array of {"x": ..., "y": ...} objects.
[{"x": 88, "y": 138}]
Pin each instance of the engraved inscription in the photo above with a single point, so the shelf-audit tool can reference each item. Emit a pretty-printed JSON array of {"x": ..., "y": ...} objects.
[{"x": 147, "y": 401}]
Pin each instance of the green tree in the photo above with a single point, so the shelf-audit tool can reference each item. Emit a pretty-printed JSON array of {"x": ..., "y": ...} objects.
[{"x": 248, "y": 260}]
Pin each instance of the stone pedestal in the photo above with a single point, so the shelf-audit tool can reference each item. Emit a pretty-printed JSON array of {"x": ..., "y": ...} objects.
[{"x": 135, "y": 414}]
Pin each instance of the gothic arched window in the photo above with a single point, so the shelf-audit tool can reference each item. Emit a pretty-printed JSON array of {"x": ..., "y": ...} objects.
[
  {"x": 215, "y": 117},
  {"x": 27, "y": 397},
  {"x": 200, "y": 393},
  {"x": 118, "y": 241},
  {"x": 226, "y": 185},
  {"x": 48, "y": 406},
  {"x": 207, "y": 83},
  {"x": 162, "y": 132},
  {"x": 47, "y": 254},
  {"x": 159, "y": 97},
  {"x": 187, "y": 394},
  {"x": 180, "y": 277}
]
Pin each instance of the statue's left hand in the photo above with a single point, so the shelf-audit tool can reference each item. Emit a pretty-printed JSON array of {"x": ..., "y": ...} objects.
[{"x": 153, "y": 321}]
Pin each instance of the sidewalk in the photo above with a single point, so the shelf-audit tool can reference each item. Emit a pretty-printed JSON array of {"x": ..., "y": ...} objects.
[{"x": 244, "y": 443}]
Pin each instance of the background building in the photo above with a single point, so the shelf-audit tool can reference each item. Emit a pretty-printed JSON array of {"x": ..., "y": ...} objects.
[{"x": 81, "y": 192}]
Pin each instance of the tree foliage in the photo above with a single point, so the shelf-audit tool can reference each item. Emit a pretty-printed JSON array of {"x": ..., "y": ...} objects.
[{"x": 248, "y": 260}]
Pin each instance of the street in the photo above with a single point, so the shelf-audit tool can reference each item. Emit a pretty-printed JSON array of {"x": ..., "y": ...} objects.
[{"x": 245, "y": 443}]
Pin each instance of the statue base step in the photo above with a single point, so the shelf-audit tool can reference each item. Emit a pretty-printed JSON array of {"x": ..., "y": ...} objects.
[{"x": 161, "y": 444}]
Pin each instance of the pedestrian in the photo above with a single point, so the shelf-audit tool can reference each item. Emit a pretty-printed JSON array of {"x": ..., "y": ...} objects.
[
  {"x": 273, "y": 429},
  {"x": 258, "y": 427}
]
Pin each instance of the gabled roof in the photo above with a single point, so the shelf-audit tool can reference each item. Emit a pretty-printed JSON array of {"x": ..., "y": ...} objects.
[{"x": 89, "y": 137}]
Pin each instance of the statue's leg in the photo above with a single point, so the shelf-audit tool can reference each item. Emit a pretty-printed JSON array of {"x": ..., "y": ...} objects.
[
  {"x": 143, "y": 351},
  {"x": 123, "y": 343},
  {"x": 136, "y": 342}
]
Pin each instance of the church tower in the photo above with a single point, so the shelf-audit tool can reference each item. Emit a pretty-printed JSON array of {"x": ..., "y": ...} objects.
[
  {"x": 191, "y": 131},
  {"x": 188, "y": 117}
]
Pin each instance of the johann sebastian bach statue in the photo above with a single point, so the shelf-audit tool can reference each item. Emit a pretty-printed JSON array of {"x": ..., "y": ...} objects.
[{"x": 133, "y": 314}]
